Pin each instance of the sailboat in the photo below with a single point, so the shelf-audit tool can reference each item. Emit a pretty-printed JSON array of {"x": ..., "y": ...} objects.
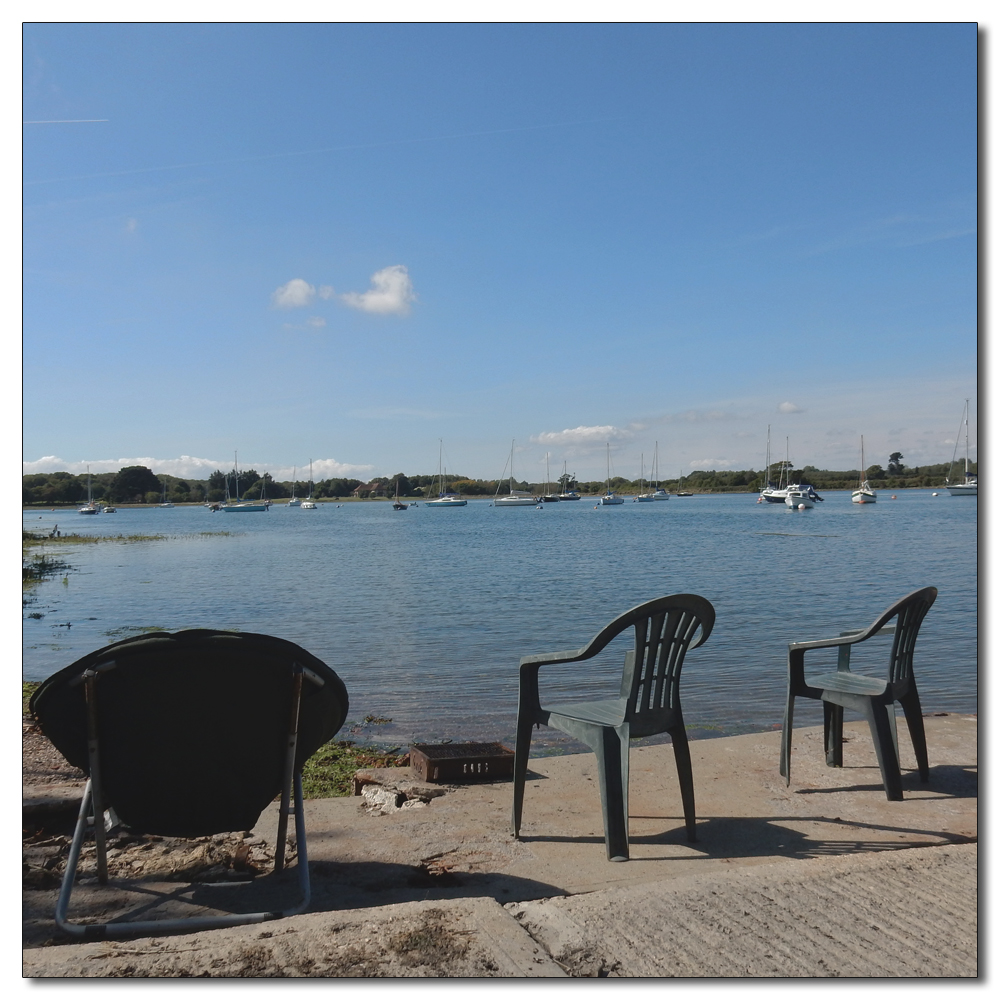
[
  {"x": 239, "y": 507},
  {"x": 516, "y": 498},
  {"x": 444, "y": 498},
  {"x": 642, "y": 496},
  {"x": 610, "y": 498},
  {"x": 567, "y": 493},
  {"x": 771, "y": 493},
  {"x": 166, "y": 502},
  {"x": 398, "y": 504},
  {"x": 864, "y": 493},
  {"x": 548, "y": 496},
  {"x": 294, "y": 501},
  {"x": 658, "y": 492},
  {"x": 969, "y": 487},
  {"x": 89, "y": 507},
  {"x": 309, "y": 503}
]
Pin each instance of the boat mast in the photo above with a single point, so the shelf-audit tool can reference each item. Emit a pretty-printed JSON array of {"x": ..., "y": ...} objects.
[{"x": 966, "y": 440}]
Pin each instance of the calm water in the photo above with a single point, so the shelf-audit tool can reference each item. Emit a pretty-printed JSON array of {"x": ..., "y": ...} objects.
[{"x": 425, "y": 613}]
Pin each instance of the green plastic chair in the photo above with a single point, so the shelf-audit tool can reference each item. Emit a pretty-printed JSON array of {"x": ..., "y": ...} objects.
[
  {"x": 872, "y": 697},
  {"x": 189, "y": 734},
  {"x": 648, "y": 704}
]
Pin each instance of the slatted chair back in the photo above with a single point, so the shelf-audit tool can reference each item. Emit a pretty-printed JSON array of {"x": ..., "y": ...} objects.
[
  {"x": 909, "y": 614},
  {"x": 664, "y": 633}
]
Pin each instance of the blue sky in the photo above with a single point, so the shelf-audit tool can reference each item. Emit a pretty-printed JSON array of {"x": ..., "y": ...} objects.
[{"x": 346, "y": 242}]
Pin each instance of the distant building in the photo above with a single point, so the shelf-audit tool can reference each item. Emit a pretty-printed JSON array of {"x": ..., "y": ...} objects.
[{"x": 369, "y": 490}]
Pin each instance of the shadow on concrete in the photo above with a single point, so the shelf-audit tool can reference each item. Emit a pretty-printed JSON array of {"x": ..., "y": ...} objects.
[
  {"x": 724, "y": 837},
  {"x": 959, "y": 781}
]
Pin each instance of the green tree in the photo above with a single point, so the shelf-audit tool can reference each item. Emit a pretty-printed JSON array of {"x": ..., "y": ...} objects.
[
  {"x": 133, "y": 483},
  {"x": 895, "y": 464}
]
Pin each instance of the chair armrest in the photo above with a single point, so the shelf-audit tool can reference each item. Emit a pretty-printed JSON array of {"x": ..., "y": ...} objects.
[
  {"x": 847, "y": 638},
  {"x": 562, "y": 656}
]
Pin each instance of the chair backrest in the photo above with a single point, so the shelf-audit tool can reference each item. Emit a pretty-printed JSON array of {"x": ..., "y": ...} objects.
[
  {"x": 193, "y": 726},
  {"x": 909, "y": 613},
  {"x": 665, "y": 630}
]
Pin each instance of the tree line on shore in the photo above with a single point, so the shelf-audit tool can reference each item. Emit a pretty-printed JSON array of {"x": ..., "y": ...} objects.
[{"x": 137, "y": 484}]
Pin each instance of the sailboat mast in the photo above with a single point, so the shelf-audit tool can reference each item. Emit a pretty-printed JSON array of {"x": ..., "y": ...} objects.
[{"x": 967, "y": 440}]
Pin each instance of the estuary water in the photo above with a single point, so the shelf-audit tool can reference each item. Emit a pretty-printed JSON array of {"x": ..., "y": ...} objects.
[{"x": 425, "y": 612}]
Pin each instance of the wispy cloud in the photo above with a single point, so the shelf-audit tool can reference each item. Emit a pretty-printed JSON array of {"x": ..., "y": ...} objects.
[
  {"x": 391, "y": 292},
  {"x": 190, "y": 467},
  {"x": 787, "y": 407},
  {"x": 711, "y": 463},
  {"x": 582, "y": 437},
  {"x": 292, "y": 295},
  {"x": 316, "y": 321}
]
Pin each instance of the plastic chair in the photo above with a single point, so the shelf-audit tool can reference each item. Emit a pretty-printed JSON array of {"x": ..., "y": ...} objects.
[
  {"x": 648, "y": 704},
  {"x": 874, "y": 698},
  {"x": 189, "y": 734}
]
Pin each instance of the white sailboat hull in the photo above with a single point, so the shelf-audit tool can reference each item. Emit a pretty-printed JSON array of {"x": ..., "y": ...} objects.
[
  {"x": 610, "y": 501},
  {"x": 514, "y": 502},
  {"x": 964, "y": 489}
]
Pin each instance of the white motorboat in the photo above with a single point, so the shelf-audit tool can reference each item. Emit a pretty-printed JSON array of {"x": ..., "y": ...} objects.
[
  {"x": 444, "y": 498},
  {"x": 89, "y": 507},
  {"x": 864, "y": 493},
  {"x": 798, "y": 499},
  {"x": 969, "y": 487},
  {"x": 610, "y": 498},
  {"x": 515, "y": 498}
]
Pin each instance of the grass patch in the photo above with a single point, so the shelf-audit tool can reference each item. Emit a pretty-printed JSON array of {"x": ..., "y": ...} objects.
[
  {"x": 330, "y": 771},
  {"x": 28, "y": 688},
  {"x": 32, "y": 539}
]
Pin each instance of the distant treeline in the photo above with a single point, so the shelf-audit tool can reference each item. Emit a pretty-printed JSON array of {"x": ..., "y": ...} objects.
[{"x": 137, "y": 484}]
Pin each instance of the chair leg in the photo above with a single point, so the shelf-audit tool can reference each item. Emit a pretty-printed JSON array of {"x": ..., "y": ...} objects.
[
  {"x": 915, "y": 724},
  {"x": 682, "y": 758},
  {"x": 888, "y": 761},
  {"x": 833, "y": 734},
  {"x": 522, "y": 746},
  {"x": 608, "y": 750},
  {"x": 785, "y": 764}
]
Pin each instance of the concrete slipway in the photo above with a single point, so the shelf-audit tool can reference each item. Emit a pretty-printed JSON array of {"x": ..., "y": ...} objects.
[{"x": 822, "y": 878}]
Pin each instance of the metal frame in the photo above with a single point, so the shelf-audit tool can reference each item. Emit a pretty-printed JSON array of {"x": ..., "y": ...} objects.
[{"x": 92, "y": 811}]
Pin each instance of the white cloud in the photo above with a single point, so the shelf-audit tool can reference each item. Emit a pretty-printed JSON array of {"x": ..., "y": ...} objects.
[
  {"x": 293, "y": 295},
  {"x": 131, "y": 225},
  {"x": 326, "y": 291},
  {"x": 189, "y": 467},
  {"x": 391, "y": 292},
  {"x": 711, "y": 463},
  {"x": 790, "y": 408},
  {"x": 316, "y": 321},
  {"x": 582, "y": 436}
]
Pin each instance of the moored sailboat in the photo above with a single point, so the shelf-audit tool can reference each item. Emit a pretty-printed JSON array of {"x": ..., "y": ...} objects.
[
  {"x": 89, "y": 507},
  {"x": 444, "y": 498},
  {"x": 969, "y": 487},
  {"x": 610, "y": 498},
  {"x": 864, "y": 493},
  {"x": 515, "y": 498}
]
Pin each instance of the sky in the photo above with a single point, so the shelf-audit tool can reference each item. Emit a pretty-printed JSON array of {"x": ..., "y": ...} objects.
[{"x": 347, "y": 243}]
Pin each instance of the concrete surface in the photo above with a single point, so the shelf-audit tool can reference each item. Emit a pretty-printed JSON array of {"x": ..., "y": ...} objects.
[{"x": 832, "y": 876}]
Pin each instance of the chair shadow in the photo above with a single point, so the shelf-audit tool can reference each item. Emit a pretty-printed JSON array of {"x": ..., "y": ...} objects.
[
  {"x": 727, "y": 837},
  {"x": 960, "y": 781}
]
